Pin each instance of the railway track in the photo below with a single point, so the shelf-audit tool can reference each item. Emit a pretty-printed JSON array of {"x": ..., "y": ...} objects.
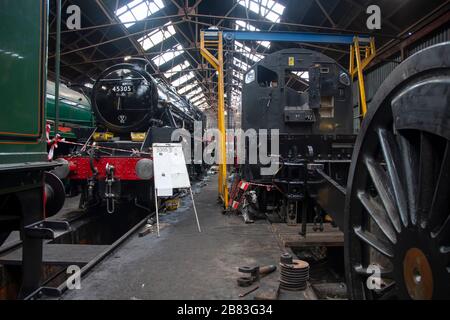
[
  {"x": 57, "y": 292},
  {"x": 55, "y": 283}
]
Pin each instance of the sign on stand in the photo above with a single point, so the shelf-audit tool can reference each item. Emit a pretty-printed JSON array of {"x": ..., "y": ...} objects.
[{"x": 170, "y": 172}]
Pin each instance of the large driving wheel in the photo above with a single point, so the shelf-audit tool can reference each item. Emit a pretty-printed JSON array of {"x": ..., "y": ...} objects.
[{"x": 397, "y": 220}]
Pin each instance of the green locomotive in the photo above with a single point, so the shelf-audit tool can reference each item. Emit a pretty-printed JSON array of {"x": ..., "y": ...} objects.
[
  {"x": 23, "y": 145},
  {"x": 74, "y": 111}
]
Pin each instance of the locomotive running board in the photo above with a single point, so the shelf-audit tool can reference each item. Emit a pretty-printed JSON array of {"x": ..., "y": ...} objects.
[{"x": 58, "y": 254}]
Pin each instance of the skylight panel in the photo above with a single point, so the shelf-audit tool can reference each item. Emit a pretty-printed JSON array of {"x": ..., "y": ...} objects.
[
  {"x": 165, "y": 57},
  {"x": 242, "y": 25},
  {"x": 183, "y": 79},
  {"x": 157, "y": 36},
  {"x": 241, "y": 64},
  {"x": 200, "y": 102},
  {"x": 235, "y": 82},
  {"x": 197, "y": 98},
  {"x": 247, "y": 52},
  {"x": 138, "y": 10},
  {"x": 302, "y": 74},
  {"x": 268, "y": 9},
  {"x": 178, "y": 68},
  {"x": 235, "y": 98},
  {"x": 194, "y": 93},
  {"x": 238, "y": 74},
  {"x": 187, "y": 87}
]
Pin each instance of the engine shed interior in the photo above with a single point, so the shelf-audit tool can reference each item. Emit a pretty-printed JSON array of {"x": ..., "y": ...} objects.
[{"x": 242, "y": 150}]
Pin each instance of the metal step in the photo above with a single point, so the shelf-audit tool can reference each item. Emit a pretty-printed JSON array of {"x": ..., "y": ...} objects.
[
  {"x": 59, "y": 254},
  {"x": 47, "y": 229}
]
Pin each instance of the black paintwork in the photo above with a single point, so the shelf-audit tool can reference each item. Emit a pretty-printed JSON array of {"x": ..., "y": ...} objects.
[
  {"x": 264, "y": 107},
  {"x": 126, "y": 97},
  {"x": 314, "y": 115}
]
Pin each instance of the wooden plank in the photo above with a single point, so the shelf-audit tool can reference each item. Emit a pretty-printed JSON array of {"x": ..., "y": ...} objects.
[
  {"x": 283, "y": 228},
  {"x": 289, "y": 236},
  {"x": 59, "y": 254}
]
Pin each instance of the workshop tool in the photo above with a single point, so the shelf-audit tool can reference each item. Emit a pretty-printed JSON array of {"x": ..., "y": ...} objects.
[
  {"x": 294, "y": 274},
  {"x": 244, "y": 294},
  {"x": 253, "y": 274}
]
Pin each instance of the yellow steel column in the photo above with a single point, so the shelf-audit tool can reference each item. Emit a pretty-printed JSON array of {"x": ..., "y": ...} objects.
[
  {"x": 362, "y": 89},
  {"x": 352, "y": 62},
  {"x": 369, "y": 52},
  {"x": 217, "y": 64},
  {"x": 222, "y": 128}
]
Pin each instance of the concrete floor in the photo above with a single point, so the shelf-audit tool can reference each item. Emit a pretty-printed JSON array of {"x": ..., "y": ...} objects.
[{"x": 182, "y": 263}]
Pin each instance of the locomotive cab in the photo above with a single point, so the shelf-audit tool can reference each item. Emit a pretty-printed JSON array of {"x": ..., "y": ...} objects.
[{"x": 296, "y": 90}]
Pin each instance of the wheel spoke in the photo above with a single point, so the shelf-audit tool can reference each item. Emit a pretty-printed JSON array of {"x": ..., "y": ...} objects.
[
  {"x": 379, "y": 215},
  {"x": 380, "y": 180},
  {"x": 381, "y": 246},
  {"x": 411, "y": 170},
  {"x": 444, "y": 250},
  {"x": 426, "y": 177},
  {"x": 391, "y": 156},
  {"x": 440, "y": 208},
  {"x": 3, "y": 237},
  {"x": 443, "y": 233}
]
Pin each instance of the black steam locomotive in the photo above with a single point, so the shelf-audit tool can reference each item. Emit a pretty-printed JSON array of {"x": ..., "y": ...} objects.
[
  {"x": 127, "y": 98},
  {"x": 391, "y": 200},
  {"x": 133, "y": 110},
  {"x": 307, "y": 96}
]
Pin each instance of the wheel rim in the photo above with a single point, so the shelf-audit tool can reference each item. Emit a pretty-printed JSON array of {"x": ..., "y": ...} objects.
[{"x": 397, "y": 223}]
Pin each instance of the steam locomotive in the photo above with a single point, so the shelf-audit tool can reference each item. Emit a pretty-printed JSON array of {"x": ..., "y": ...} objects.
[
  {"x": 390, "y": 195},
  {"x": 307, "y": 96},
  {"x": 133, "y": 110}
]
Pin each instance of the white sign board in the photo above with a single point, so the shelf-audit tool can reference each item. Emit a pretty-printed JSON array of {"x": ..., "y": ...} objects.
[{"x": 170, "y": 169}]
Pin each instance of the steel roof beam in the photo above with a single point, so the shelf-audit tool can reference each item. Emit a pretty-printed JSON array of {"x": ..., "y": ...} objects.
[{"x": 330, "y": 38}]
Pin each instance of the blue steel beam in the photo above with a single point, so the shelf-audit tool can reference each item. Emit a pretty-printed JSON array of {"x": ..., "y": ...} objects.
[{"x": 294, "y": 37}]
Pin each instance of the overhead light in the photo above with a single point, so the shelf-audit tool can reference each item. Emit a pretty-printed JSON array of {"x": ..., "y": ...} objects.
[
  {"x": 88, "y": 85},
  {"x": 127, "y": 58}
]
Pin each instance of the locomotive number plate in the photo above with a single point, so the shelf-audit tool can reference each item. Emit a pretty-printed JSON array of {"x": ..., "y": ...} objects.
[{"x": 120, "y": 89}]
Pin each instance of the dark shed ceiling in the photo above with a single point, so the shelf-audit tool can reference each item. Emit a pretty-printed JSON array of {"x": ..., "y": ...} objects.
[{"x": 104, "y": 40}]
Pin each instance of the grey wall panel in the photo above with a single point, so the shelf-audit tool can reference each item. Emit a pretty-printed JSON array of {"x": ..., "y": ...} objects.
[{"x": 375, "y": 77}]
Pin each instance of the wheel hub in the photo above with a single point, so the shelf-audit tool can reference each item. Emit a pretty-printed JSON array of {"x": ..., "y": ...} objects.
[{"x": 418, "y": 275}]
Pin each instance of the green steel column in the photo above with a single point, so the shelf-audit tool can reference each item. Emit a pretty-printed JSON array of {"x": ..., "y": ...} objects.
[{"x": 57, "y": 63}]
